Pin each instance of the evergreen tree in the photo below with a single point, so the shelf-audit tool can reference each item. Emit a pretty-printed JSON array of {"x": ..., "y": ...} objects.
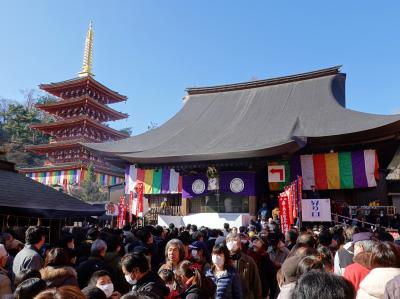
[{"x": 90, "y": 189}]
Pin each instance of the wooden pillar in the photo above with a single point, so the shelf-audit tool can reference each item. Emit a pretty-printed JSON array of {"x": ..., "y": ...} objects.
[
  {"x": 185, "y": 206},
  {"x": 253, "y": 205}
]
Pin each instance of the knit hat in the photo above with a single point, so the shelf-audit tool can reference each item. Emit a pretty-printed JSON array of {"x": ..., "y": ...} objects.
[{"x": 289, "y": 268}]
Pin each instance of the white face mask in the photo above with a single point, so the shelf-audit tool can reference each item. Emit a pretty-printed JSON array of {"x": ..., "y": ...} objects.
[
  {"x": 129, "y": 279},
  {"x": 108, "y": 289},
  {"x": 195, "y": 254},
  {"x": 218, "y": 260},
  {"x": 232, "y": 246}
]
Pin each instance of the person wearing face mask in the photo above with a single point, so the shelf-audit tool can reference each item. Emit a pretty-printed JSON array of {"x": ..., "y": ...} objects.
[
  {"x": 102, "y": 280},
  {"x": 137, "y": 273},
  {"x": 225, "y": 277},
  {"x": 246, "y": 266},
  {"x": 198, "y": 259},
  {"x": 257, "y": 250}
]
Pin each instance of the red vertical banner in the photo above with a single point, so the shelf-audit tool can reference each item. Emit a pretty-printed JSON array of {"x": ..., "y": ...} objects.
[
  {"x": 121, "y": 212},
  {"x": 139, "y": 205},
  {"x": 299, "y": 192},
  {"x": 289, "y": 196},
  {"x": 130, "y": 206},
  {"x": 284, "y": 212},
  {"x": 293, "y": 187}
]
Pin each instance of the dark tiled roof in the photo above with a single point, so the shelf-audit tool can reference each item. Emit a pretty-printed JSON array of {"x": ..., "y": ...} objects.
[
  {"x": 23, "y": 196},
  {"x": 250, "y": 120}
]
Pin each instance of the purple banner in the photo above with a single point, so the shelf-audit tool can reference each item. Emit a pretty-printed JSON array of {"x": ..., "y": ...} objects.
[
  {"x": 194, "y": 185},
  {"x": 230, "y": 182},
  {"x": 238, "y": 183},
  {"x": 165, "y": 181},
  {"x": 358, "y": 165}
]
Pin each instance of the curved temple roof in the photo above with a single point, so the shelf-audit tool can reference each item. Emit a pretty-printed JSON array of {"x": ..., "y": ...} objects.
[{"x": 254, "y": 119}]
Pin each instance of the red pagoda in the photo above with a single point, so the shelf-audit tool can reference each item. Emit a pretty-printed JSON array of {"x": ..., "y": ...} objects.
[{"x": 79, "y": 113}]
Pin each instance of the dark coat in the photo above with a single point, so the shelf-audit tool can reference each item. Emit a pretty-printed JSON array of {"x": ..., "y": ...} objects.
[
  {"x": 152, "y": 284},
  {"x": 194, "y": 292},
  {"x": 267, "y": 272},
  {"x": 112, "y": 260},
  {"x": 228, "y": 285},
  {"x": 59, "y": 276},
  {"x": 87, "y": 268},
  {"x": 249, "y": 276}
]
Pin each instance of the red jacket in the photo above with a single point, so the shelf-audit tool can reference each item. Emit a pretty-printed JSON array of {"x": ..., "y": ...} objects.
[{"x": 356, "y": 272}]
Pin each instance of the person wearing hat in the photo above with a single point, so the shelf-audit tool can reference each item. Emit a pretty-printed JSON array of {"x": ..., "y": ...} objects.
[
  {"x": 257, "y": 250},
  {"x": 5, "y": 282},
  {"x": 356, "y": 272},
  {"x": 198, "y": 256}
]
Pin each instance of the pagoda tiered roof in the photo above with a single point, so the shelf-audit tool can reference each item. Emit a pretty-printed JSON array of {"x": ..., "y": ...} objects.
[
  {"x": 81, "y": 101},
  {"x": 80, "y": 121},
  {"x": 43, "y": 148},
  {"x": 83, "y": 86}
]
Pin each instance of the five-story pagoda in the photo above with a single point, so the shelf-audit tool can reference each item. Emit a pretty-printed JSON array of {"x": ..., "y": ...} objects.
[{"x": 79, "y": 113}]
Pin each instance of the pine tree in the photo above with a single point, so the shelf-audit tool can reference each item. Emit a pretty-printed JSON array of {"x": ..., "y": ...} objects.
[{"x": 90, "y": 189}]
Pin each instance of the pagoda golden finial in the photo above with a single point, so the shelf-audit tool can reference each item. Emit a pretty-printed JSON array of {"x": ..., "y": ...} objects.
[{"x": 87, "y": 56}]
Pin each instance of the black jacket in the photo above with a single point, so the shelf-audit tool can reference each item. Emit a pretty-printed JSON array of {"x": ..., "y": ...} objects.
[
  {"x": 152, "y": 284},
  {"x": 194, "y": 292},
  {"x": 87, "y": 268}
]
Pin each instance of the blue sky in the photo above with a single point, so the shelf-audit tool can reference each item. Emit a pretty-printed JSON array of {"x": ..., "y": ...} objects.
[{"x": 152, "y": 50}]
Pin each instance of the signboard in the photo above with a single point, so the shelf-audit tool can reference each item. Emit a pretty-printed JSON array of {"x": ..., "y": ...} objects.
[
  {"x": 111, "y": 209},
  {"x": 316, "y": 210},
  {"x": 276, "y": 173}
]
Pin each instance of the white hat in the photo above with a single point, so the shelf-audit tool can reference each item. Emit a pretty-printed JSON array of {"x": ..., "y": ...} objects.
[{"x": 3, "y": 251}]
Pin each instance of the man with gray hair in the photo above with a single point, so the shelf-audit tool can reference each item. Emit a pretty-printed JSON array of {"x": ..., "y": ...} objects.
[
  {"x": 94, "y": 263},
  {"x": 356, "y": 272}
]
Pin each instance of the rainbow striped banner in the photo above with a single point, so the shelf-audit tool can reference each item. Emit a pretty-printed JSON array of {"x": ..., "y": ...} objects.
[
  {"x": 73, "y": 177},
  {"x": 155, "y": 181},
  {"x": 342, "y": 170}
]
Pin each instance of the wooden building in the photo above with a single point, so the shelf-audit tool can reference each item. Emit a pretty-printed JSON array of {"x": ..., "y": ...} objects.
[
  {"x": 80, "y": 113},
  {"x": 234, "y": 132}
]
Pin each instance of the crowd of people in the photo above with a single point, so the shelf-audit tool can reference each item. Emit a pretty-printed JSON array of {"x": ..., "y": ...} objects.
[{"x": 256, "y": 261}]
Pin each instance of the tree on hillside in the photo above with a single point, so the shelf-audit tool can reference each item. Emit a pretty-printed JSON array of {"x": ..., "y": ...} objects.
[
  {"x": 127, "y": 130},
  {"x": 90, "y": 189},
  {"x": 15, "y": 131}
]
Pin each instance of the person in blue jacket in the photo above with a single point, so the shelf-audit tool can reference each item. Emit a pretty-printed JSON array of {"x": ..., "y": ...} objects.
[{"x": 224, "y": 275}]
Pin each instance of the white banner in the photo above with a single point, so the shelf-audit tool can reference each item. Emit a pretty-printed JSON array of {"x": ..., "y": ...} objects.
[{"x": 316, "y": 210}]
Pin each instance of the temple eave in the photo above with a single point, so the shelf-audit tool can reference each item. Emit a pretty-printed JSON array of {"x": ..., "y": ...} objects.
[{"x": 56, "y": 88}]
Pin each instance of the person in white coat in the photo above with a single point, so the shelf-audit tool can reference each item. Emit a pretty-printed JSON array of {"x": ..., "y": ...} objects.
[{"x": 385, "y": 264}]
